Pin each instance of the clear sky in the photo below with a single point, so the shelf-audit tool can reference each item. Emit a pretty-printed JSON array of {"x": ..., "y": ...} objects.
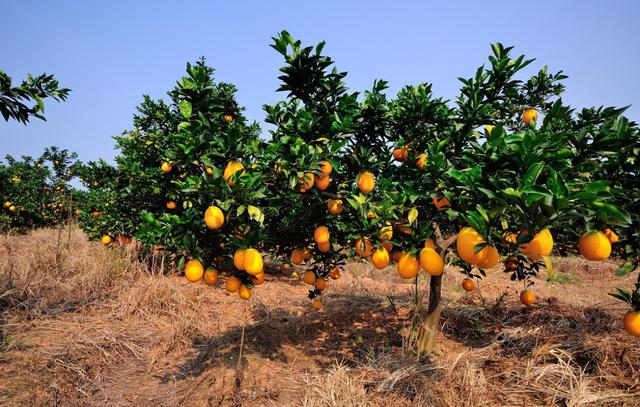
[{"x": 112, "y": 52}]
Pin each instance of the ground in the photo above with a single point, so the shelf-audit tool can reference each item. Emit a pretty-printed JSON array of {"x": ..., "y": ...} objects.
[{"x": 86, "y": 325}]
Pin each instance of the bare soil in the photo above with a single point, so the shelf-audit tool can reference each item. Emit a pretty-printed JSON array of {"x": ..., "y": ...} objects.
[{"x": 83, "y": 325}]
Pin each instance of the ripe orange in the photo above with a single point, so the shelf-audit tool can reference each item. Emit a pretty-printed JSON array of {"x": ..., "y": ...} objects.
[
  {"x": 488, "y": 257},
  {"x": 380, "y": 258},
  {"x": 324, "y": 247},
  {"x": 106, "y": 240},
  {"x": 467, "y": 240},
  {"x": 306, "y": 182},
  {"x": 258, "y": 279},
  {"x": 228, "y": 117},
  {"x": 529, "y": 115},
  {"x": 441, "y": 203},
  {"x": 321, "y": 284},
  {"x": 321, "y": 234},
  {"x": 316, "y": 304},
  {"x": 244, "y": 292},
  {"x": 430, "y": 244},
  {"x": 421, "y": 161},
  {"x": 334, "y": 273},
  {"x": 326, "y": 168},
  {"x": 309, "y": 277},
  {"x": 366, "y": 182},
  {"x": 431, "y": 262},
  {"x": 253, "y": 263},
  {"x": 322, "y": 183},
  {"x": 632, "y": 323},
  {"x": 387, "y": 245},
  {"x": 166, "y": 167},
  {"x": 238, "y": 259},
  {"x": 401, "y": 153},
  {"x": 468, "y": 285},
  {"x": 540, "y": 245},
  {"x": 171, "y": 205},
  {"x": 193, "y": 270},
  {"x": 208, "y": 170},
  {"x": 527, "y": 297},
  {"x": 297, "y": 256},
  {"x": 232, "y": 284},
  {"x": 408, "y": 266},
  {"x": 213, "y": 217},
  {"x": 210, "y": 276},
  {"x": 371, "y": 214},
  {"x": 95, "y": 214},
  {"x": 230, "y": 170},
  {"x": 594, "y": 246},
  {"x": 363, "y": 247},
  {"x": 611, "y": 235},
  {"x": 335, "y": 206},
  {"x": 386, "y": 232}
]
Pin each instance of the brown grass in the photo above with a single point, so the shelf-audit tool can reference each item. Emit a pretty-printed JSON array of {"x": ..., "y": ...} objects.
[{"x": 85, "y": 325}]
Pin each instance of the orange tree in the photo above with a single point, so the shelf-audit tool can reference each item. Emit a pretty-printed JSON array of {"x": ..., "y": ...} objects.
[
  {"x": 35, "y": 192},
  {"x": 185, "y": 182}
]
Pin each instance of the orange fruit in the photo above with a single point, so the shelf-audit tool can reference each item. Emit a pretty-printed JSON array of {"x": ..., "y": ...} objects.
[
  {"x": 95, "y": 214},
  {"x": 306, "y": 182},
  {"x": 322, "y": 183},
  {"x": 467, "y": 240},
  {"x": 408, "y": 266},
  {"x": 258, "y": 279},
  {"x": 77, "y": 212},
  {"x": 529, "y": 115},
  {"x": 309, "y": 277},
  {"x": 316, "y": 304},
  {"x": 171, "y": 205},
  {"x": 210, "y": 276},
  {"x": 228, "y": 117},
  {"x": 594, "y": 246},
  {"x": 431, "y": 262},
  {"x": 468, "y": 285},
  {"x": 321, "y": 284},
  {"x": 297, "y": 256},
  {"x": 366, "y": 182},
  {"x": 335, "y": 206},
  {"x": 324, "y": 247},
  {"x": 230, "y": 170},
  {"x": 213, "y": 217},
  {"x": 238, "y": 259},
  {"x": 421, "y": 161},
  {"x": 371, "y": 215},
  {"x": 106, "y": 240},
  {"x": 166, "y": 167},
  {"x": 540, "y": 245},
  {"x": 380, "y": 258},
  {"x": 387, "y": 245},
  {"x": 326, "y": 168},
  {"x": 321, "y": 235},
  {"x": 253, "y": 263},
  {"x": 244, "y": 292},
  {"x": 193, "y": 270},
  {"x": 611, "y": 235},
  {"x": 334, "y": 273},
  {"x": 401, "y": 154},
  {"x": 441, "y": 203},
  {"x": 631, "y": 323},
  {"x": 527, "y": 297},
  {"x": 232, "y": 284},
  {"x": 307, "y": 254},
  {"x": 510, "y": 237},
  {"x": 208, "y": 170},
  {"x": 386, "y": 232},
  {"x": 430, "y": 244},
  {"x": 488, "y": 257},
  {"x": 363, "y": 247}
]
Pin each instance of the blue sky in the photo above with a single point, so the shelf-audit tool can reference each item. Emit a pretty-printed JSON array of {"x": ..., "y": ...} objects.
[{"x": 112, "y": 52}]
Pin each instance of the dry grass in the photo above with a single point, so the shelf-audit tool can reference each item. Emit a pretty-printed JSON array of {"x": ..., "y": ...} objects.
[{"x": 83, "y": 325}]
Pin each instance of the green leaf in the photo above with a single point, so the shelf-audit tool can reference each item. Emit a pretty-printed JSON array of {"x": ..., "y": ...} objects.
[
  {"x": 185, "y": 109},
  {"x": 532, "y": 174},
  {"x": 413, "y": 215}
]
